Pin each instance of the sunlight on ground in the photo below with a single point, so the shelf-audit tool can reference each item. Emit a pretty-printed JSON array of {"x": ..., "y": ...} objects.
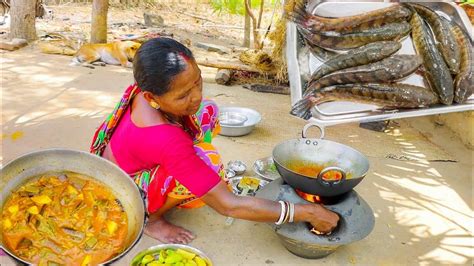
[
  {"x": 428, "y": 206},
  {"x": 75, "y": 104},
  {"x": 61, "y": 101}
]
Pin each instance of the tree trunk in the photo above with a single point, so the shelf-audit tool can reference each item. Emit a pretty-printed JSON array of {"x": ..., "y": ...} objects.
[
  {"x": 256, "y": 36},
  {"x": 260, "y": 14},
  {"x": 23, "y": 16},
  {"x": 246, "y": 30},
  {"x": 99, "y": 21}
]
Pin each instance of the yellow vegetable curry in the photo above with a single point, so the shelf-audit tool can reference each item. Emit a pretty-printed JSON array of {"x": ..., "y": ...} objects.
[{"x": 64, "y": 219}]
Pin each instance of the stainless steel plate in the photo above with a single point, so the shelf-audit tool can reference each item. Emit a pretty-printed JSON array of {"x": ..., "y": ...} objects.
[
  {"x": 301, "y": 63},
  {"x": 235, "y": 181}
]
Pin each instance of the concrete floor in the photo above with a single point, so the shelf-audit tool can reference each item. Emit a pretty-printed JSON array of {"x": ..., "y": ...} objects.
[{"x": 423, "y": 204}]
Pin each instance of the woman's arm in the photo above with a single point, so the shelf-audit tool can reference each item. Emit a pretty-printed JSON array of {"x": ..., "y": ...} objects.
[{"x": 262, "y": 210}]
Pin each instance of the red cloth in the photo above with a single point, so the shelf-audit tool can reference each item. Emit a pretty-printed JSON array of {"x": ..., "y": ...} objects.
[{"x": 137, "y": 148}]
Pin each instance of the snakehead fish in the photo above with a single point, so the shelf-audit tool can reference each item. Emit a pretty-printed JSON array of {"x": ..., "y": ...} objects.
[
  {"x": 368, "y": 20},
  {"x": 363, "y": 55},
  {"x": 387, "y": 95},
  {"x": 464, "y": 81},
  {"x": 447, "y": 44},
  {"x": 389, "y": 69},
  {"x": 386, "y": 70},
  {"x": 436, "y": 71},
  {"x": 338, "y": 41},
  {"x": 320, "y": 53}
]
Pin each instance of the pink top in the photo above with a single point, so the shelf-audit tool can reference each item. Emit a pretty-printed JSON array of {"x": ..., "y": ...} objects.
[{"x": 137, "y": 148}]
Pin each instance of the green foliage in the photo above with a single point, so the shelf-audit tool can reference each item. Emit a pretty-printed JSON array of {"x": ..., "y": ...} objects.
[{"x": 234, "y": 6}]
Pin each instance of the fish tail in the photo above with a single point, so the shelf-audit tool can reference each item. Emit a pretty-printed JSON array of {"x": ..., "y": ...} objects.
[
  {"x": 302, "y": 108},
  {"x": 311, "y": 88},
  {"x": 299, "y": 14}
]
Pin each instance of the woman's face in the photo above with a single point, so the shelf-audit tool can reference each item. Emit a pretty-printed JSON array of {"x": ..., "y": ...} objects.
[{"x": 185, "y": 94}]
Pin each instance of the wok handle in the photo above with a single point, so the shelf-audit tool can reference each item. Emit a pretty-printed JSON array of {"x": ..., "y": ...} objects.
[
  {"x": 331, "y": 183},
  {"x": 307, "y": 126}
]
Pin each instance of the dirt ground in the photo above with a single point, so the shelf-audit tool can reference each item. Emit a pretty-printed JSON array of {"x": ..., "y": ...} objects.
[
  {"x": 422, "y": 202},
  {"x": 187, "y": 22}
]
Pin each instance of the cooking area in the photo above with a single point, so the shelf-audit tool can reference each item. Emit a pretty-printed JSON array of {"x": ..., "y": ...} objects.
[
  {"x": 399, "y": 181},
  {"x": 346, "y": 167},
  {"x": 413, "y": 198}
]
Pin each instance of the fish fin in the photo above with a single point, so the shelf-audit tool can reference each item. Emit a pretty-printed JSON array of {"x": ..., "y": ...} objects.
[
  {"x": 302, "y": 108},
  {"x": 299, "y": 14},
  {"x": 305, "y": 33},
  {"x": 310, "y": 88}
]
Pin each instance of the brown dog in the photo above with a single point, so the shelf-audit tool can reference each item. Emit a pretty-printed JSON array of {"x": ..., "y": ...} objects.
[{"x": 116, "y": 53}]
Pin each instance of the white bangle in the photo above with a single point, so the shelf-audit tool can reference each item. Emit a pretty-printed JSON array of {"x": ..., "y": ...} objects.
[
  {"x": 282, "y": 213},
  {"x": 292, "y": 212}
]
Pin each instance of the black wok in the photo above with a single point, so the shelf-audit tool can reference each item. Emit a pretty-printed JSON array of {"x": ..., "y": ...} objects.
[{"x": 348, "y": 164}]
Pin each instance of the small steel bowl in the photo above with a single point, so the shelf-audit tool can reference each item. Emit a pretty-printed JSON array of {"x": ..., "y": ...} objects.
[
  {"x": 238, "y": 167},
  {"x": 253, "y": 118},
  {"x": 232, "y": 118},
  {"x": 229, "y": 173},
  {"x": 266, "y": 169},
  {"x": 156, "y": 249}
]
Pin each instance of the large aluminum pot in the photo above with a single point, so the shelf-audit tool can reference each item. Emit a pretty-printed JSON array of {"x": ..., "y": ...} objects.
[
  {"x": 351, "y": 165},
  {"x": 20, "y": 170}
]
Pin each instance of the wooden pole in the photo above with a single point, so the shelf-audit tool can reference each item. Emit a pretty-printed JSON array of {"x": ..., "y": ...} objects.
[{"x": 231, "y": 65}]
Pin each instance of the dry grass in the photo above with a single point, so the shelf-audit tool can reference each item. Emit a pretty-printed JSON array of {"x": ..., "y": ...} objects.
[{"x": 278, "y": 39}]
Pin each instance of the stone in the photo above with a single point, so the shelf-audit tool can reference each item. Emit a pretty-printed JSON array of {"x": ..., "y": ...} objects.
[
  {"x": 19, "y": 42},
  {"x": 213, "y": 48},
  {"x": 13, "y": 44},
  {"x": 223, "y": 76},
  {"x": 153, "y": 20}
]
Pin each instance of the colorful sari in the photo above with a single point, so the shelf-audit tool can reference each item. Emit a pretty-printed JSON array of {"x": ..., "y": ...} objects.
[{"x": 202, "y": 126}]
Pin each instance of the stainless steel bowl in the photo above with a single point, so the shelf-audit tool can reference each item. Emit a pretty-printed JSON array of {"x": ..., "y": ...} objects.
[
  {"x": 229, "y": 173},
  {"x": 253, "y": 118},
  {"x": 232, "y": 119},
  {"x": 156, "y": 249},
  {"x": 266, "y": 169},
  {"x": 238, "y": 167}
]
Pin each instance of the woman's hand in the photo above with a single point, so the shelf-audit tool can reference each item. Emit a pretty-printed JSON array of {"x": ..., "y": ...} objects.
[
  {"x": 261, "y": 210},
  {"x": 322, "y": 219}
]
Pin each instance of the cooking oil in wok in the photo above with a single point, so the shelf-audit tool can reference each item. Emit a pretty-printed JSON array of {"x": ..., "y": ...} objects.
[{"x": 312, "y": 170}]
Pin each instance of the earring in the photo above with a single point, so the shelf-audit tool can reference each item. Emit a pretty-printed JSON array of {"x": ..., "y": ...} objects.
[{"x": 154, "y": 105}]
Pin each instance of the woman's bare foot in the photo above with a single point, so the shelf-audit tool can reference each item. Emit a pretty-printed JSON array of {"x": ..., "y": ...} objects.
[{"x": 167, "y": 232}]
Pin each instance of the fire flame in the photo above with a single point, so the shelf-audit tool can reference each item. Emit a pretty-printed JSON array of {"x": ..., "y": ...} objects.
[{"x": 308, "y": 197}]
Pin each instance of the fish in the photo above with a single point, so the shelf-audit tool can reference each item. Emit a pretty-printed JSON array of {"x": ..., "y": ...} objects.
[
  {"x": 447, "y": 44},
  {"x": 337, "y": 41},
  {"x": 436, "y": 71},
  {"x": 321, "y": 53},
  {"x": 464, "y": 81},
  {"x": 387, "y": 70},
  {"x": 363, "y": 55},
  {"x": 348, "y": 24},
  {"x": 386, "y": 95}
]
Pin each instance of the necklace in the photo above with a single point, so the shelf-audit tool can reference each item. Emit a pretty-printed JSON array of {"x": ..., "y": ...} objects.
[{"x": 171, "y": 120}]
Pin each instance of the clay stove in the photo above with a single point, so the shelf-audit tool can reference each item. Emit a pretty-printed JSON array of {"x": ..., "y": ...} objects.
[{"x": 356, "y": 221}]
